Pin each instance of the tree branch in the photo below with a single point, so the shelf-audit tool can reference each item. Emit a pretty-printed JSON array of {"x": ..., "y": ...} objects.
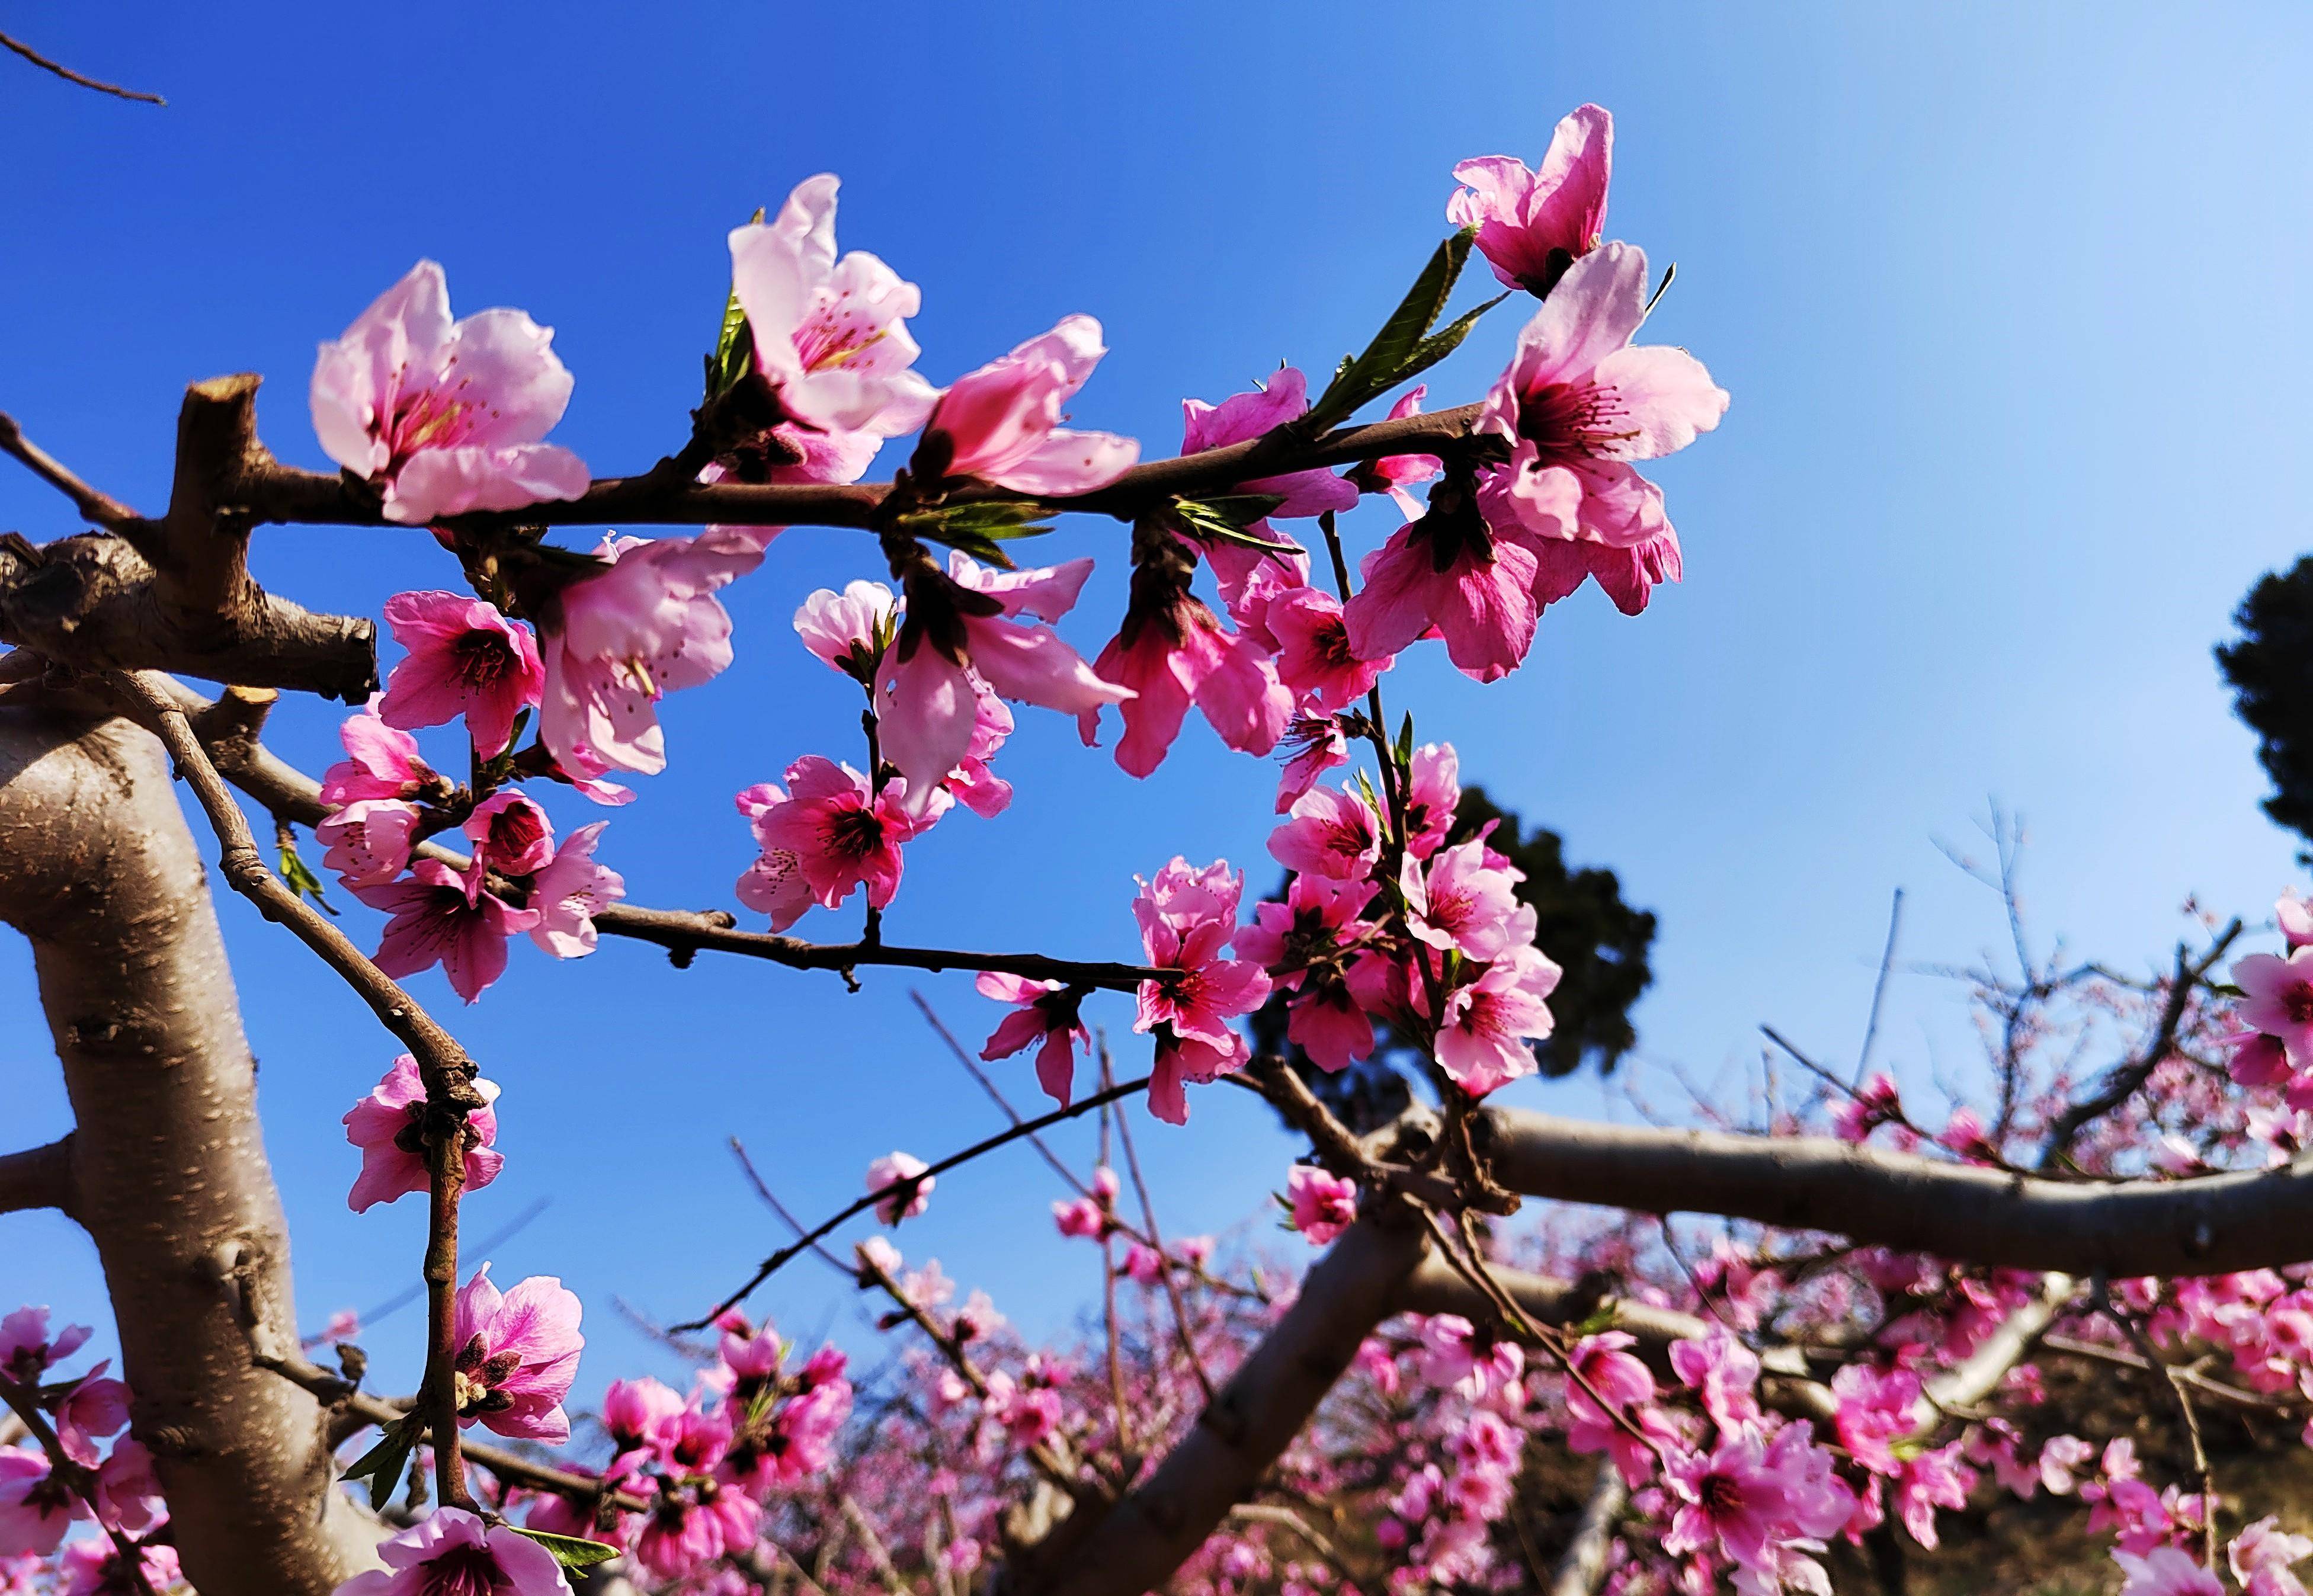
[
  {"x": 38, "y": 1178},
  {"x": 2211, "y": 1225},
  {"x": 272, "y": 492},
  {"x": 70, "y": 76},
  {"x": 1137, "y": 1544}
]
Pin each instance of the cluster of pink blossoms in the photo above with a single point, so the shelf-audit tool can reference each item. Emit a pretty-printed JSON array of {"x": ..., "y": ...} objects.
[{"x": 45, "y": 1491}]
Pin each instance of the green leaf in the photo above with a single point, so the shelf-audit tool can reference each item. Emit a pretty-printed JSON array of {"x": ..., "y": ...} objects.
[
  {"x": 1670, "y": 275},
  {"x": 735, "y": 346},
  {"x": 1597, "y": 1324},
  {"x": 299, "y": 875},
  {"x": 1224, "y": 519},
  {"x": 1380, "y": 367},
  {"x": 1438, "y": 346},
  {"x": 1405, "y": 741},
  {"x": 979, "y": 526},
  {"x": 569, "y": 1550},
  {"x": 381, "y": 1464}
]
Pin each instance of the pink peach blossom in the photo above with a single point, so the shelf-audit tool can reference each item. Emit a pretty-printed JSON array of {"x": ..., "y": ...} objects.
[
  {"x": 96, "y": 1406},
  {"x": 446, "y": 416},
  {"x": 381, "y": 762},
  {"x": 1312, "y": 747},
  {"x": 1046, "y": 1015},
  {"x": 441, "y": 916},
  {"x": 1447, "y": 570},
  {"x": 1433, "y": 794},
  {"x": 26, "y": 1348},
  {"x": 908, "y": 1201},
  {"x": 568, "y": 890},
  {"x": 962, "y": 630},
  {"x": 387, "y": 1125},
  {"x": 774, "y": 883},
  {"x": 1482, "y": 1042},
  {"x": 127, "y": 1492},
  {"x": 2164, "y": 1571},
  {"x": 1245, "y": 416},
  {"x": 368, "y": 842},
  {"x": 511, "y": 834},
  {"x": 1314, "y": 656},
  {"x": 1466, "y": 904},
  {"x": 840, "y": 837},
  {"x": 36, "y": 1507},
  {"x": 1328, "y": 832},
  {"x": 1180, "y": 655},
  {"x": 1001, "y": 423},
  {"x": 464, "y": 658},
  {"x": 1187, "y": 917},
  {"x": 848, "y": 631},
  {"x": 829, "y": 335},
  {"x": 2277, "y": 999},
  {"x": 517, "y": 1354},
  {"x": 1578, "y": 403},
  {"x": 1322, "y": 1205},
  {"x": 647, "y": 625},
  {"x": 1532, "y": 225},
  {"x": 452, "y": 1552}
]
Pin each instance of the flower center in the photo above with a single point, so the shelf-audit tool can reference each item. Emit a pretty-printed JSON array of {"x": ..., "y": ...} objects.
[
  {"x": 1721, "y": 1495},
  {"x": 483, "y": 658},
  {"x": 463, "y": 1571},
  {"x": 854, "y": 833},
  {"x": 514, "y": 830},
  {"x": 2299, "y": 1002},
  {"x": 1574, "y": 421},
  {"x": 425, "y": 419}
]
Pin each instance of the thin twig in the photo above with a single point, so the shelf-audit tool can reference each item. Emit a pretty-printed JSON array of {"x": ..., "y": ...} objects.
[
  {"x": 96, "y": 505},
  {"x": 1879, "y": 987},
  {"x": 780, "y": 1260},
  {"x": 1157, "y": 1240},
  {"x": 70, "y": 76},
  {"x": 2153, "y": 1360}
]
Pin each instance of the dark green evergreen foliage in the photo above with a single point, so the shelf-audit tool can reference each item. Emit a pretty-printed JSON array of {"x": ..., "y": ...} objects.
[
  {"x": 2271, "y": 668},
  {"x": 1581, "y": 922}
]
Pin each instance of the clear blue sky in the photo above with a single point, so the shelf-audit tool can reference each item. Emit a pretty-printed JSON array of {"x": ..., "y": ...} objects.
[{"x": 2013, "y": 313}]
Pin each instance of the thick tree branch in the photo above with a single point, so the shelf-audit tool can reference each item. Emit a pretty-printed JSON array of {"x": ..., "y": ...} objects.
[
  {"x": 2207, "y": 1226},
  {"x": 1136, "y": 1545},
  {"x": 175, "y": 595},
  {"x": 272, "y": 492},
  {"x": 169, "y": 1173},
  {"x": 38, "y": 1178}
]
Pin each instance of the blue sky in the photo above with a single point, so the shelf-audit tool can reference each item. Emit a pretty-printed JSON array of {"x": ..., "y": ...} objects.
[{"x": 2011, "y": 308}]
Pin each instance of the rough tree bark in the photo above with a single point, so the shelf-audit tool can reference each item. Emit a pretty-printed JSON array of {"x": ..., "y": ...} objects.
[{"x": 168, "y": 1168}]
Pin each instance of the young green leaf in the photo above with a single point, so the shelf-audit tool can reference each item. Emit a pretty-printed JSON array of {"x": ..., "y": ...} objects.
[
  {"x": 300, "y": 877},
  {"x": 1382, "y": 365},
  {"x": 569, "y": 1550},
  {"x": 1439, "y": 345},
  {"x": 1225, "y": 520},
  {"x": 381, "y": 1464}
]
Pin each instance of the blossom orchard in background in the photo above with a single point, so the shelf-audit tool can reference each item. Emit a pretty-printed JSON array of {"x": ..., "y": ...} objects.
[{"x": 1752, "y": 1398}]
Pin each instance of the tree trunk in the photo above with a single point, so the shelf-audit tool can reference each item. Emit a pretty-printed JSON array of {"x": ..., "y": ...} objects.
[{"x": 169, "y": 1174}]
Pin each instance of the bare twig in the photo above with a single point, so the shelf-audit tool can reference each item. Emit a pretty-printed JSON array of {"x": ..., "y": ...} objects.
[
  {"x": 1157, "y": 1240},
  {"x": 70, "y": 76},
  {"x": 780, "y": 1260},
  {"x": 1879, "y": 987},
  {"x": 94, "y": 503}
]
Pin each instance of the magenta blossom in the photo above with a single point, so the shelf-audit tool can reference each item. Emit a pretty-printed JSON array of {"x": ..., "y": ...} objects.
[
  {"x": 517, "y": 1354},
  {"x": 1001, "y": 423},
  {"x": 99, "y": 1568},
  {"x": 1578, "y": 403},
  {"x": 1187, "y": 917},
  {"x": 1330, "y": 833},
  {"x": 367, "y": 842},
  {"x": 1322, "y": 1205},
  {"x": 1305, "y": 944},
  {"x": 839, "y": 837},
  {"x": 1466, "y": 903},
  {"x": 568, "y": 890},
  {"x": 1177, "y": 654},
  {"x": 388, "y": 1127},
  {"x": 963, "y": 629},
  {"x": 381, "y": 762},
  {"x": 2164, "y": 1571},
  {"x": 1483, "y": 1040},
  {"x": 908, "y": 1200},
  {"x": 1733, "y": 1497},
  {"x": 1245, "y": 416},
  {"x": 1532, "y": 225},
  {"x": 829, "y": 335},
  {"x": 446, "y": 416},
  {"x": 127, "y": 1492},
  {"x": 26, "y": 1348},
  {"x": 1433, "y": 793},
  {"x": 1449, "y": 572},
  {"x": 511, "y": 834},
  {"x": 452, "y": 1552},
  {"x": 2262, "y": 1556},
  {"x": 36, "y": 1507},
  {"x": 1311, "y": 749},
  {"x": 441, "y": 916},
  {"x": 96, "y": 1406},
  {"x": 1047, "y": 1015},
  {"x": 464, "y": 658},
  {"x": 1314, "y": 656},
  {"x": 649, "y": 625},
  {"x": 774, "y": 883}
]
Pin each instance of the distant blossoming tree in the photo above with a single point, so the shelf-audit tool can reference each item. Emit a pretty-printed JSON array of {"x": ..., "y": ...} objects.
[{"x": 1858, "y": 1338}]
